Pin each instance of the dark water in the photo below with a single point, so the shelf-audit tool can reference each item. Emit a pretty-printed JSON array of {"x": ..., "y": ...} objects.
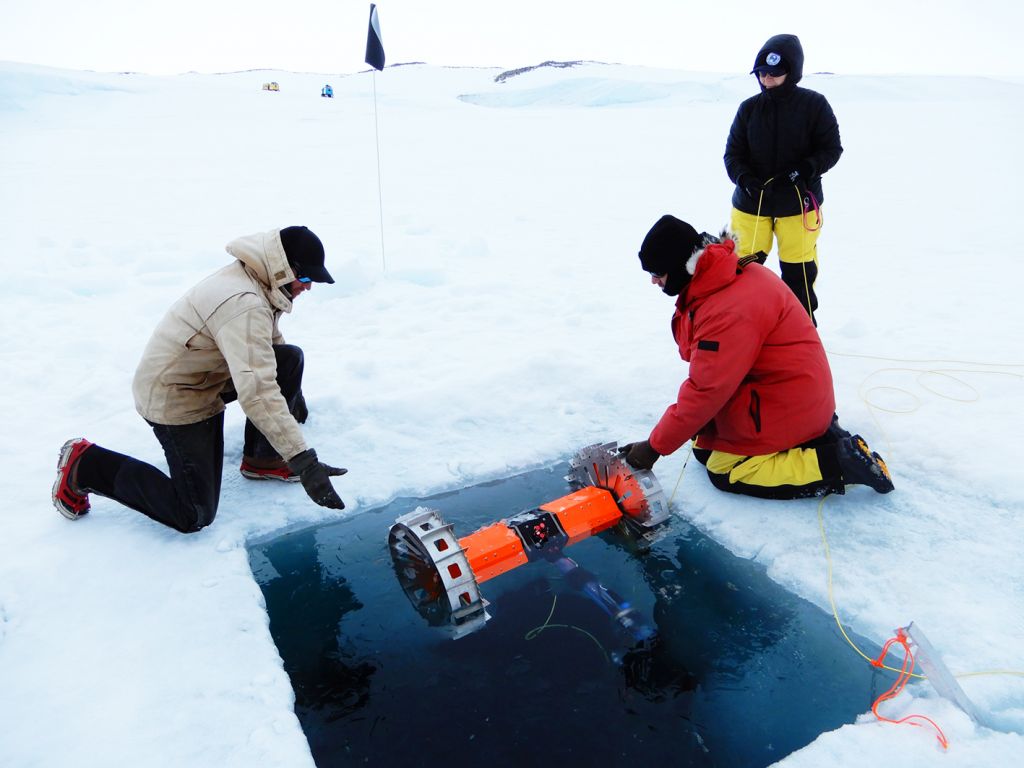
[{"x": 742, "y": 673}]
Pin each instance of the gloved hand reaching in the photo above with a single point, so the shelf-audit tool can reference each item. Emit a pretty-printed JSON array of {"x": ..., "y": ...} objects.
[
  {"x": 316, "y": 478},
  {"x": 639, "y": 455}
]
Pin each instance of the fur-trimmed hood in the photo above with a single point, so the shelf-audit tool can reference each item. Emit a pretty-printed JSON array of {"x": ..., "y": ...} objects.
[
  {"x": 706, "y": 240},
  {"x": 711, "y": 267}
]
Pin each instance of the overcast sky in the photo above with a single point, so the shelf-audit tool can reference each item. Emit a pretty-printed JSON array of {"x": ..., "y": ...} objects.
[{"x": 159, "y": 37}]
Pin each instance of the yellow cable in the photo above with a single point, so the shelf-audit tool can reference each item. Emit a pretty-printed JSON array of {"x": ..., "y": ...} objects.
[
  {"x": 871, "y": 407},
  {"x": 757, "y": 219},
  {"x": 864, "y": 393},
  {"x": 980, "y": 673},
  {"x": 926, "y": 360},
  {"x": 689, "y": 452},
  {"x": 537, "y": 630},
  {"x": 835, "y": 613},
  {"x": 803, "y": 249},
  {"x": 831, "y": 596},
  {"x": 821, "y": 504}
]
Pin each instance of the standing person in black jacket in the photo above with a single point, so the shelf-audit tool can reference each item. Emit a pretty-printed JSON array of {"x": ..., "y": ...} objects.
[{"x": 781, "y": 141}]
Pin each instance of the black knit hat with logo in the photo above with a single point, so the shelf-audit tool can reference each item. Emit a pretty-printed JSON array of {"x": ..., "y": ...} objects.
[
  {"x": 305, "y": 253},
  {"x": 667, "y": 248}
]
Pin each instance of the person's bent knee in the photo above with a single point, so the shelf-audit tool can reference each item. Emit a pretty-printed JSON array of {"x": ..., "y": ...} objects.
[
  {"x": 195, "y": 527},
  {"x": 723, "y": 483},
  {"x": 194, "y": 520},
  {"x": 289, "y": 356}
]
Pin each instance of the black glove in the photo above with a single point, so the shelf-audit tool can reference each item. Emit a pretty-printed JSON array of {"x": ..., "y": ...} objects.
[
  {"x": 750, "y": 184},
  {"x": 639, "y": 455},
  {"x": 316, "y": 478},
  {"x": 299, "y": 409},
  {"x": 799, "y": 174}
]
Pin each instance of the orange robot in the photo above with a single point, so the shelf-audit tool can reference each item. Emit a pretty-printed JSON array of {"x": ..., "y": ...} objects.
[{"x": 441, "y": 574}]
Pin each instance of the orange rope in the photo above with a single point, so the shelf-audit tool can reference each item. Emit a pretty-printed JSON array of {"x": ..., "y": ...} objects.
[{"x": 899, "y": 684}]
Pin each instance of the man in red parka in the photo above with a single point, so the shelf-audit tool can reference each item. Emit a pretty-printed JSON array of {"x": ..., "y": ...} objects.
[{"x": 758, "y": 400}]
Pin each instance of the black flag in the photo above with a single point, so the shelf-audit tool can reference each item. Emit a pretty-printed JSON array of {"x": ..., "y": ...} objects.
[{"x": 374, "y": 46}]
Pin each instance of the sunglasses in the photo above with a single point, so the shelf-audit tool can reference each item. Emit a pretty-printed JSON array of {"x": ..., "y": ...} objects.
[
  {"x": 295, "y": 271},
  {"x": 304, "y": 279}
]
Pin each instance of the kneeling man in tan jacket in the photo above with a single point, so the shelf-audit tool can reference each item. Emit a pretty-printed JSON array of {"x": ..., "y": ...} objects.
[{"x": 219, "y": 343}]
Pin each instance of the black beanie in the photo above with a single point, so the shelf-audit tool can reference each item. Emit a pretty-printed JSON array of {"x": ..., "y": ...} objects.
[
  {"x": 306, "y": 253},
  {"x": 667, "y": 248}
]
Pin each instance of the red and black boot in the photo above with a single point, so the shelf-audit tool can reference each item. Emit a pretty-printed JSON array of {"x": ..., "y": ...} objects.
[{"x": 69, "y": 500}]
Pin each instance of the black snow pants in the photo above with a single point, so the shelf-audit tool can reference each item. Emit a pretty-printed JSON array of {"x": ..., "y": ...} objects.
[{"x": 187, "y": 500}]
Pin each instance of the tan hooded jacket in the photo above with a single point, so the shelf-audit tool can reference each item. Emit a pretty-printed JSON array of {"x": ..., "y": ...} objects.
[{"x": 221, "y": 333}]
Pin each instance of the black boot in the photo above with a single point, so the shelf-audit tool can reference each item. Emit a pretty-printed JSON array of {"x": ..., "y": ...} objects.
[
  {"x": 835, "y": 430},
  {"x": 859, "y": 465}
]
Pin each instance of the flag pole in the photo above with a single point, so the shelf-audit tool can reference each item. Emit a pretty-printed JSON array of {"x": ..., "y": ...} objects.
[
  {"x": 375, "y": 58},
  {"x": 380, "y": 193}
]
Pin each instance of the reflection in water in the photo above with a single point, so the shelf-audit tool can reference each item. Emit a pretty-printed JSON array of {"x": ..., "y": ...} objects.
[
  {"x": 707, "y": 611},
  {"x": 307, "y": 600},
  {"x": 676, "y": 651}
]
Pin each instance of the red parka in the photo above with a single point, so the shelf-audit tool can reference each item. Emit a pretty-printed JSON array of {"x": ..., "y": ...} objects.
[{"x": 759, "y": 380}]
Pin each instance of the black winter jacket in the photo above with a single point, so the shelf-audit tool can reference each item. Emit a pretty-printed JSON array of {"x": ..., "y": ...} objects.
[{"x": 775, "y": 131}]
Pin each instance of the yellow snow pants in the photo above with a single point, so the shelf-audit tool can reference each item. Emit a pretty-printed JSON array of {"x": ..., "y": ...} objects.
[
  {"x": 796, "y": 473},
  {"x": 798, "y": 248}
]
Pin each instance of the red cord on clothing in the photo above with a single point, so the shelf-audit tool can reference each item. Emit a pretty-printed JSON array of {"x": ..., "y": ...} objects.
[{"x": 807, "y": 209}]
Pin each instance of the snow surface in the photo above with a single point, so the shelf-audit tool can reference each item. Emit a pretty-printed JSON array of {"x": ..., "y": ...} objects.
[{"x": 506, "y": 325}]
